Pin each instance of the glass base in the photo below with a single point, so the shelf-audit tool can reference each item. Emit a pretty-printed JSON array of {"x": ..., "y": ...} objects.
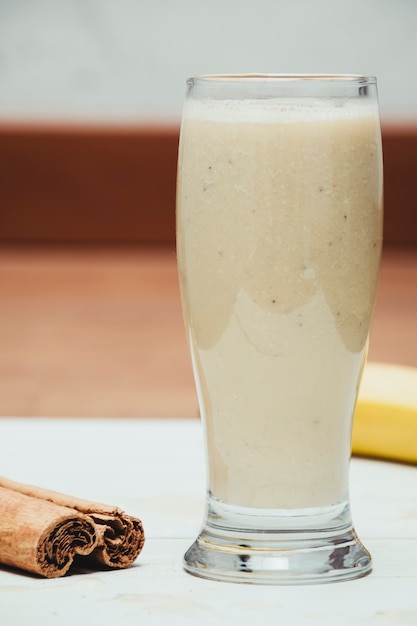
[{"x": 263, "y": 546}]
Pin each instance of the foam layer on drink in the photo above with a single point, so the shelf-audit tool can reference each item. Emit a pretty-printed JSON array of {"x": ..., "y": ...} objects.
[{"x": 282, "y": 110}]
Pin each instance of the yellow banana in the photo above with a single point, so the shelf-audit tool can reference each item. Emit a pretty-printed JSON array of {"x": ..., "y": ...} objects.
[{"x": 385, "y": 421}]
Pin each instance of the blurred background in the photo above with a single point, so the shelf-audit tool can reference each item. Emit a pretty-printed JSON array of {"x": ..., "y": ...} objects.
[
  {"x": 90, "y": 103},
  {"x": 128, "y": 60}
]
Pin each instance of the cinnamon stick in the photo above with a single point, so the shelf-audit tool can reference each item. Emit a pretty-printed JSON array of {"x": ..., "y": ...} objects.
[{"x": 42, "y": 531}]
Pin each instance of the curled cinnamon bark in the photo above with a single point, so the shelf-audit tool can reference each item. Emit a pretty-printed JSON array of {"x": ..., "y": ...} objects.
[
  {"x": 120, "y": 539},
  {"x": 42, "y": 531},
  {"x": 42, "y": 537}
]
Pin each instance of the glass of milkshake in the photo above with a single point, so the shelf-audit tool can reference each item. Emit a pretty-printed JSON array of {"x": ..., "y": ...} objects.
[{"x": 279, "y": 232}]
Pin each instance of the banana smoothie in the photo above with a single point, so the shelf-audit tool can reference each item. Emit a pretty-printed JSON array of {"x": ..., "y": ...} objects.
[{"x": 278, "y": 254}]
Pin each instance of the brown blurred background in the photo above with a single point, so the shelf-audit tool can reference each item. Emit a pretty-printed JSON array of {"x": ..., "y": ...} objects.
[{"x": 90, "y": 320}]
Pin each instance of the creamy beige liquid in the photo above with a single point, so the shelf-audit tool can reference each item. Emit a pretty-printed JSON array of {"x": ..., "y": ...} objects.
[{"x": 279, "y": 223}]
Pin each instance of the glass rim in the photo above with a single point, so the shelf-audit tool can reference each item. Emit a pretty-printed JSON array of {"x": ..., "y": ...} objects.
[{"x": 280, "y": 78}]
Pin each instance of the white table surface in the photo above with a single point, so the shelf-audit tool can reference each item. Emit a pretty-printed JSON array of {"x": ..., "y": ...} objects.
[{"x": 155, "y": 469}]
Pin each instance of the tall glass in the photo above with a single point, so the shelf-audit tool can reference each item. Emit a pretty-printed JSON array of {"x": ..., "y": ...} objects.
[{"x": 279, "y": 230}]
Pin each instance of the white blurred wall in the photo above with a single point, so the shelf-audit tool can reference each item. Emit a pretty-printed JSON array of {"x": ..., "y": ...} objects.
[{"x": 127, "y": 60}]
